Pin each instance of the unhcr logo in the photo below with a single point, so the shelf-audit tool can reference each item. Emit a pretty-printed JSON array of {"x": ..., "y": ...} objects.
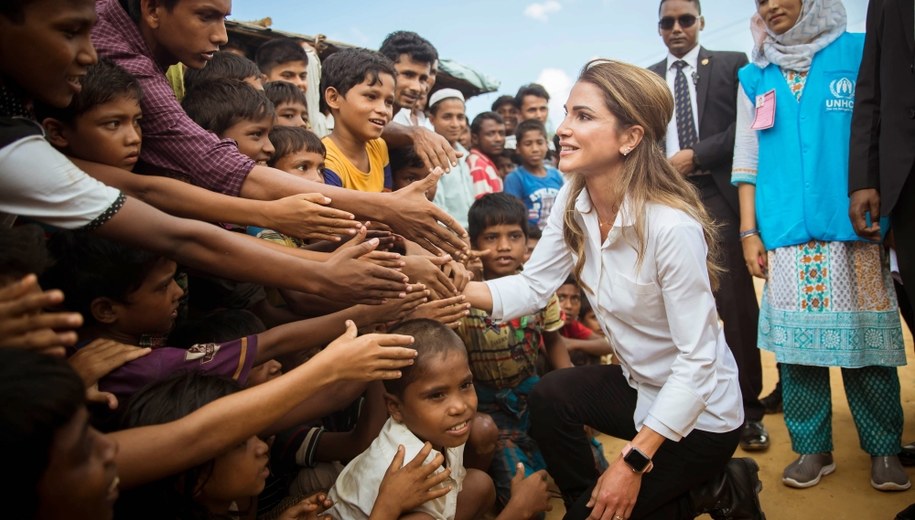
[{"x": 843, "y": 95}]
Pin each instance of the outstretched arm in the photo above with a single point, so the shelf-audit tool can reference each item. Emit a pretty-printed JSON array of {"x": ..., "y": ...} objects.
[{"x": 152, "y": 452}]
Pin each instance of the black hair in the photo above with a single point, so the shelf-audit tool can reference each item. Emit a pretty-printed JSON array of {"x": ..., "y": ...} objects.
[
  {"x": 698, "y": 6},
  {"x": 413, "y": 45},
  {"x": 219, "y": 326},
  {"x": 531, "y": 89},
  {"x": 504, "y": 100},
  {"x": 103, "y": 82},
  {"x": 529, "y": 125},
  {"x": 347, "y": 68},
  {"x": 133, "y": 7},
  {"x": 14, "y": 10},
  {"x": 430, "y": 338},
  {"x": 223, "y": 65},
  {"x": 404, "y": 157},
  {"x": 279, "y": 92},
  {"x": 88, "y": 267},
  {"x": 40, "y": 394},
  {"x": 477, "y": 123},
  {"x": 495, "y": 209},
  {"x": 162, "y": 402},
  {"x": 534, "y": 231},
  {"x": 279, "y": 50},
  {"x": 287, "y": 140},
  {"x": 22, "y": 251},
  {"x": 218, "y": 104}
]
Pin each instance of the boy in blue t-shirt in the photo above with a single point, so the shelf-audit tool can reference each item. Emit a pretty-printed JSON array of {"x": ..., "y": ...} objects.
[{"x": 535, "y": 183}]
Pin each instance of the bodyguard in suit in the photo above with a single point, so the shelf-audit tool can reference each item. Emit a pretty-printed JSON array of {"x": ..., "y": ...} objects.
[
  {"x": 882, "y": 153},
  {"x": 700, "y": 144}
]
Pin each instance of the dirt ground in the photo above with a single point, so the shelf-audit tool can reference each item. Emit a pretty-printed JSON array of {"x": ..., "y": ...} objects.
[{"x": 845, "y": 494}]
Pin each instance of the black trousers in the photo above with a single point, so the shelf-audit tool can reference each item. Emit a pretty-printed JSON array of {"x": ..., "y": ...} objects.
[
  {"x": 903, "y": 223},
  {"x": 599, "y": 396},
  {"x": 736, "y": 298}
]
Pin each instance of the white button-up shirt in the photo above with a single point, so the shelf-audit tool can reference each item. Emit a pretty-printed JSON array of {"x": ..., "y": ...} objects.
[
  {"x": 660, "y": 316},
  {"x": 356, "y": 488},
  {"x": 691, "y": 71}
]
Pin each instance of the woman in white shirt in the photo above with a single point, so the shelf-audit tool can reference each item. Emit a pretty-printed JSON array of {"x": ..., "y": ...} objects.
[{"x": 637, "y": 238}]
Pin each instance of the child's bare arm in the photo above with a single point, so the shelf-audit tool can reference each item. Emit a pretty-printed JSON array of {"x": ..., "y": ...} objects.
[
  {"x": 596, "y": 345},
  {"x": 556, "y": 350},
  {"x": 529, "y": 496},
  {"x": 406, "y": 487},
  {"x": 303, "y": 216},
  {"x": 152, "y": 452}
]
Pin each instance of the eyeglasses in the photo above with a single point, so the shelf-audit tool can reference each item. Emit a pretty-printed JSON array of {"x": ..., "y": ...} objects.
[{"x": 686, "y": 21}]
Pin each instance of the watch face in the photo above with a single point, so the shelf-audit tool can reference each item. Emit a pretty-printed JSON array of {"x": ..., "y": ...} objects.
[{"x": 636, "y": 460}]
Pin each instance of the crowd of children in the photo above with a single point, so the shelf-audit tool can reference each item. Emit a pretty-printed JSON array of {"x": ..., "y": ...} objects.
[{"x": 261, "y": 313}]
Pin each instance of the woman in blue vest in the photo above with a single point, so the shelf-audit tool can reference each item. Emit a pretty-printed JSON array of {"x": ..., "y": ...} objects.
[{"x": 829, "y": 299}]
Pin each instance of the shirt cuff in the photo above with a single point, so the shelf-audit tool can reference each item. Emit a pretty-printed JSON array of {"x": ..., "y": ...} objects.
[
  {"x": 675, "y": 410},
  {"x": 498, "y": 311},
  {"x": 741, "y": 177}
]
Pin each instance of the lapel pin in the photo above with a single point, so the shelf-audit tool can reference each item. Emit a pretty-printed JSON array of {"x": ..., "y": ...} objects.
[{"x": 705, "y": 61}]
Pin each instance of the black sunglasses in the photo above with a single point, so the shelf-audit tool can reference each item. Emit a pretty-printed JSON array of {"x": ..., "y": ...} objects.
[{"x": 686, "y": 21}]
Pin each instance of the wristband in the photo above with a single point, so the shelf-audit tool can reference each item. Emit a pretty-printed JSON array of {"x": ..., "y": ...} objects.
[{"x": 748, "y": 233}]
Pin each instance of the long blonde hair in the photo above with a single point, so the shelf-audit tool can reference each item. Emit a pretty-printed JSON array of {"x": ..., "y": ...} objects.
[{"x": 636, "y": 96}]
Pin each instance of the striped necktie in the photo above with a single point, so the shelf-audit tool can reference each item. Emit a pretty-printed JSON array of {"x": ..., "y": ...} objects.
[{"x": 686, "y": 126}]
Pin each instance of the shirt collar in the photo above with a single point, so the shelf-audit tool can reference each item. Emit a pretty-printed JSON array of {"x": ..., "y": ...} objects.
[
  {"x": 691, "y": 58},
  {"x": 624, "y": 217}
]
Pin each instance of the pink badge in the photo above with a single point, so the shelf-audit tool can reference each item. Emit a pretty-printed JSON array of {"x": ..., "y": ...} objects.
[{"x": 765, "y": 111}]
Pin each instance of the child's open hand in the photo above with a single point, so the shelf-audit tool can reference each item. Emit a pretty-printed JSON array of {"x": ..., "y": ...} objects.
[
  {"x": 368, "y": 357},
  {"x": 347, "y": 278},
  {"x": 529, "y": 495},
  {"x": 406, "y": 487},
  {"x": 308, "y": 216},
  {"x": 309, "y": 508},
  {"x": 447, "y": 311},
  {"x": 24, "y": 324},
  {"x": 98, "y": 359},
  {"x": 427, "y": 270}
]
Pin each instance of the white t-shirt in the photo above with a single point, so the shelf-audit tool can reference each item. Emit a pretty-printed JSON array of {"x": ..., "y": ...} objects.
[
  {"x": 356, "y": 488},
  {"x": 39, "y": 182}
]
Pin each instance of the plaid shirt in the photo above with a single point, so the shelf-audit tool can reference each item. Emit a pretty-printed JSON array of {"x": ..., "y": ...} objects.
[{"x": 172, "y": 142}]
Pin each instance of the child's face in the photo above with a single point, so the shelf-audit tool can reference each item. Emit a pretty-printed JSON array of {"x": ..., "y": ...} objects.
[
  {"x": 439, "y": 406},
  {"x": 506, "y": 244},
  {"x": 509, "y": 113},
  {"x": 505, "y": 165},
  {"x": 239, "y": 473},
  {"x": 153, "y": 307},
  {"x": 589, "y": 319},
  {"x": 448, "y": 119},
  {"x": 252, "y": 137},
  {"x": 570, "y": 301},
  {"x": 292, "y": 114},
  {"x": 108, "y": 133},
  {"x": 191, "y": 32},
  {"x": 304, "y": 164},
  {"x": 295, "y": 72},
  {"x": 466, "y": 139},
  {"x": 531, "y": 244},
  {"x": 80, "y": 479},
  {"x": 491, "y": 138},
  {"x": 48, "y": 52},
  {"x": 366, "y": 108},
  {"x": 406, "y": 176},
  {"x": 534, "y": 107},
  {"x": 412, "y": 80},
  {"x": 532, "y": 148}
]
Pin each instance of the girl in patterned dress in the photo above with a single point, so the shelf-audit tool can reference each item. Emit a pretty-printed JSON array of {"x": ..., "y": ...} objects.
[{"x": 829, "y": 299}]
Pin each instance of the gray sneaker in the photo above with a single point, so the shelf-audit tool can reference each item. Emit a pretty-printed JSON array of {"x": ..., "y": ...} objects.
[
  {"x": 887, "y": 474},
  {"x": 808, "y": 469}
]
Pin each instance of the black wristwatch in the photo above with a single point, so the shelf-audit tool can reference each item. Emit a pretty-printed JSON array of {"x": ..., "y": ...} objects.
[{"x": 637, "y": 461}]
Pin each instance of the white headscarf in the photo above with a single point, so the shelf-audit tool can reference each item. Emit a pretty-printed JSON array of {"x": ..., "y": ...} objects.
[{"x": 820, "y": 23}]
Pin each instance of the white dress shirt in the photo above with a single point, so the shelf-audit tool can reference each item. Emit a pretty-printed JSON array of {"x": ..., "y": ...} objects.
[
  {"x": 660, "y": 316},
  {"x": 691, "y": 70},
  {"x": 356, "y": 488},
  {"x": 404, "y": 117}
]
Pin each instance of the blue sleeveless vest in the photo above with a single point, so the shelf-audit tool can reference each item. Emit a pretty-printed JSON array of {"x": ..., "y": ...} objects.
[{"x": 802, "y": 180}]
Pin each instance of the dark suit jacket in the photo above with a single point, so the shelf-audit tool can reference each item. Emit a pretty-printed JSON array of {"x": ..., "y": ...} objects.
[
  {"x": 716, "y": 98},
  {"x": 882, "y": 146}
]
